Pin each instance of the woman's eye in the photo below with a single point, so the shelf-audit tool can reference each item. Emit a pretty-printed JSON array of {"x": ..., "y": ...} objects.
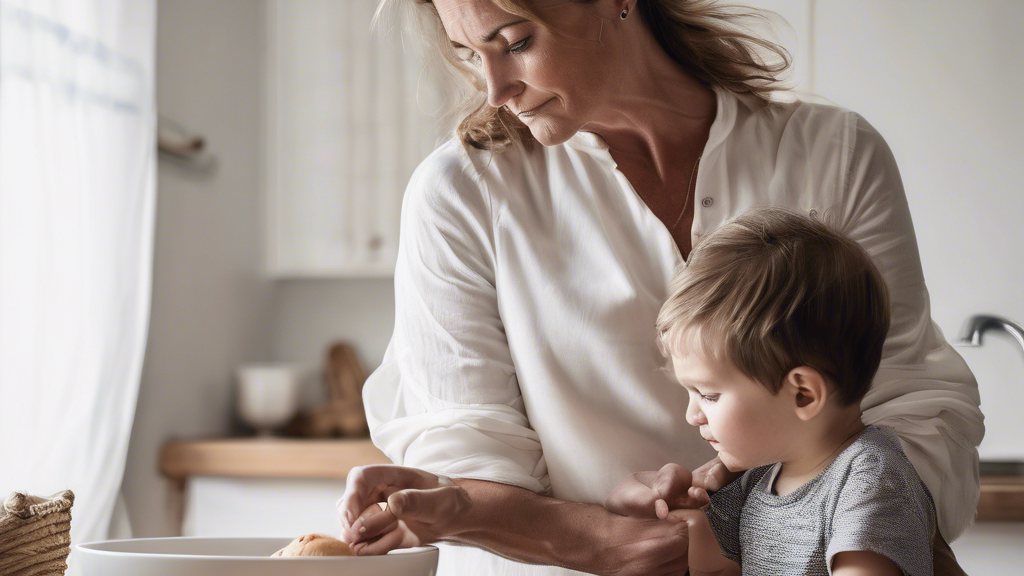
[
  {"x": 518, "y": 47},
  {"x": 710, "y": 398}
]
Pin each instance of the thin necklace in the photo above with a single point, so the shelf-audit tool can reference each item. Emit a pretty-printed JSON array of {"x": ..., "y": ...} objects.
[
  {"x": 827, "y": 461},
  {"x": 841, "y": 445},
  {"x": 686, "y": 203}
]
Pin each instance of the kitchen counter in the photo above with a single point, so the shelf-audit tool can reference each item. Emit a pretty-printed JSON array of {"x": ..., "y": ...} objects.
[{"x": 1002, "y": 497}]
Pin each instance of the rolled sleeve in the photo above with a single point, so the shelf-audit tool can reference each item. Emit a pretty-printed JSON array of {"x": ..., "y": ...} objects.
[
  {"x": 923, "y": 389},
  {"x": 446, "y": 398}
]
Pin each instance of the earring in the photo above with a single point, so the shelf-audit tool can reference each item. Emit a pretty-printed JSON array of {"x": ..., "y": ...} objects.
[{"x": 625, "y": 12}]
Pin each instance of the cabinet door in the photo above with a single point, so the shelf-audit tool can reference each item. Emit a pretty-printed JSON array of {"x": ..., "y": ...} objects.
[
  {"x": 260, "y": 507},
  {"x": 942, "y": 81},
  {"x": 345, "y": 129}
]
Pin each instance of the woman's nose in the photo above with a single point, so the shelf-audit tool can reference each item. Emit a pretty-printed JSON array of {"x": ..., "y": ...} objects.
[{"x": 501, "y": 83}]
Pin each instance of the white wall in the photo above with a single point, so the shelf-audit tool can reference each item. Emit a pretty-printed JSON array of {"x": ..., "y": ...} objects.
[
  {"x": 942, "y": 82},
  {"x": 310, "y": 314},
  {"x": 212, "y": 307}
]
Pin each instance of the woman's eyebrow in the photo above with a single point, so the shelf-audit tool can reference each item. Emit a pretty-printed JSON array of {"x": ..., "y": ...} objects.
[{"x": 493, "y": 33}]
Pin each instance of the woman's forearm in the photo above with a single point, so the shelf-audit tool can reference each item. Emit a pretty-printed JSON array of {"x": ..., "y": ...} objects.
[
  {"x": 526, "y": 527},
  {"x": 523, "y": 526}
]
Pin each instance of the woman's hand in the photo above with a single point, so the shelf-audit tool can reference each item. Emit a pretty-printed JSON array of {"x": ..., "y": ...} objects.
[
  {"x": 714, "y": 476},
  {"x": 420, "y": 506},
  {"x": 640, "y": 547},
  {"x": 639, "y": 495}
]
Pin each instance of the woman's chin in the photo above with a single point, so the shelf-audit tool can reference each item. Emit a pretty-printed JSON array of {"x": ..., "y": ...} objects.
[{"x": 549, "y": 133}]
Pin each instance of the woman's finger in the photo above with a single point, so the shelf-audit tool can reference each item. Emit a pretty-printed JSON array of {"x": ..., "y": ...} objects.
[
  {"x": 673, "y": 485},
  {"x": 381, "y": 545},
  {"x": 673, "y": 481},
  {"x": 714, "y": 476},
  {"x": 429, "y": 506},
  {"x": 357, "y": 492},
  {"x": 699, "y": 496},
  {"x": 366, "y": 485},
  {"x": 371, "y": 523},
  {"x": 661, "y": 509}
]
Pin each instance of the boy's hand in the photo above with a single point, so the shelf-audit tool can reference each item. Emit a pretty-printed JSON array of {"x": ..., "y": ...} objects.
[{"x": 638, "y": 495}]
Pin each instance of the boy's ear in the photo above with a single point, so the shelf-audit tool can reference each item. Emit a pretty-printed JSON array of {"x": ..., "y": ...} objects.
[{"x": 808, "y": 390}]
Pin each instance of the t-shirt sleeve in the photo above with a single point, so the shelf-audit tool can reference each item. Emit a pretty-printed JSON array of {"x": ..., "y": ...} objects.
[
  {"x": 724, "y": 515},
  {"x": 446, "y": 397},
  {"x": 884, "y": 508}
]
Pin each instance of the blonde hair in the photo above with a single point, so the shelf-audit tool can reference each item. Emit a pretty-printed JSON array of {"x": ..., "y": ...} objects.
[
  {"x": 772, "y": 290},
  {"x": 705, "y": 38}
]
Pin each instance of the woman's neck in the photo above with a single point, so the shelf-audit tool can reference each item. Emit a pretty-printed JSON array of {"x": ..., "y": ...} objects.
[{"x": 657, "y": 115}]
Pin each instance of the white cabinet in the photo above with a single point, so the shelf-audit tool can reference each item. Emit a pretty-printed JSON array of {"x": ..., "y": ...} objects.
[
  {"x": 258, "y": 507},
  {"x": 345, "y": 128}
]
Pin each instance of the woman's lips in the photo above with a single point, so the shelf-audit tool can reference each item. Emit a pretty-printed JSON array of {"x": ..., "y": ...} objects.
[{"x": 533, "y": 111}]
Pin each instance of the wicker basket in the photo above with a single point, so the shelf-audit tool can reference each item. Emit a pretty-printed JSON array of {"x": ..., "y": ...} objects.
[{"x": 35, "y": 534}]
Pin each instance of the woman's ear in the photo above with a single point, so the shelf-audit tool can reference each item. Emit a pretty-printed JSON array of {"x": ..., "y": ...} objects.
[{"x": 808, "y": 390}]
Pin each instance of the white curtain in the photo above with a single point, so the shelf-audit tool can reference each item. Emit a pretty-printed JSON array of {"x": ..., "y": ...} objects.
[{"x": 77, "y": 198}]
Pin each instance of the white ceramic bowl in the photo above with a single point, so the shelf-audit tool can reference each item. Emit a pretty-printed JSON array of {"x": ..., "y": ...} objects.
[{"x": 237, "y": 557}]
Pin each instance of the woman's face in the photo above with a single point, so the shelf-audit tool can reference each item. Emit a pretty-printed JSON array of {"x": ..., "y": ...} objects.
[{"x": 554, "y": 83}]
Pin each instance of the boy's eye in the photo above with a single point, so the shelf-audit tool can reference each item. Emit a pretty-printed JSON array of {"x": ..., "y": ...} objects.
[
  {"x": 518, "y": 47},
  {"x": 710, "y": 398}
]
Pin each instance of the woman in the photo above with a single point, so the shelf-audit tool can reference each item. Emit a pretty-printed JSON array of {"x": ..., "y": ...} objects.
[{"x": 537, "y": 249}]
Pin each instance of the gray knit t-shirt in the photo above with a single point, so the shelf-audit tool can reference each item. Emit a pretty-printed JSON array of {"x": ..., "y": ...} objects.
[{"x": 869, "y": 498}]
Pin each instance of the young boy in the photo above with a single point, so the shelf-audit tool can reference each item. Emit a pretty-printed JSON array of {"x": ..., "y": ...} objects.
[{"x": 775, "y": 328}]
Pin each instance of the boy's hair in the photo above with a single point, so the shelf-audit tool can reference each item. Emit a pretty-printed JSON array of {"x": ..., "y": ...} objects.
[{"x": 772, "y": 290}]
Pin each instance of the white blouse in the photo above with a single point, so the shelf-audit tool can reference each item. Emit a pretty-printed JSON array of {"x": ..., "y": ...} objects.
[{"x": 527, "y": 287}]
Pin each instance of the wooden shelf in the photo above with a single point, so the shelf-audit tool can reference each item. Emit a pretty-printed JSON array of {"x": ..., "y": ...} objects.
[
  {"x": 1002, "y": 497},
  {"x": 267, "y": 458}
]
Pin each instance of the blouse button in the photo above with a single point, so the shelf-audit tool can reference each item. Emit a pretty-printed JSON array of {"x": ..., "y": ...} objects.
[{"x": 707, "y": 202}]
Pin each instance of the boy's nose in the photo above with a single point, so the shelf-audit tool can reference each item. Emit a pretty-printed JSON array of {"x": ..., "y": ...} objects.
[{"x": 694, "y": 415}]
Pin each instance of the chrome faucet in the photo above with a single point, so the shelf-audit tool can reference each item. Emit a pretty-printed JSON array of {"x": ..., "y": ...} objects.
[
  {"x": 975, "y": 326},
  {"x": 970, "y": 335}
]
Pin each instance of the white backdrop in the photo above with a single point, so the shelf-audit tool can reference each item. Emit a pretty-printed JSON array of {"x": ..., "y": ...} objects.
[{"x": 77, "y": 195}]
